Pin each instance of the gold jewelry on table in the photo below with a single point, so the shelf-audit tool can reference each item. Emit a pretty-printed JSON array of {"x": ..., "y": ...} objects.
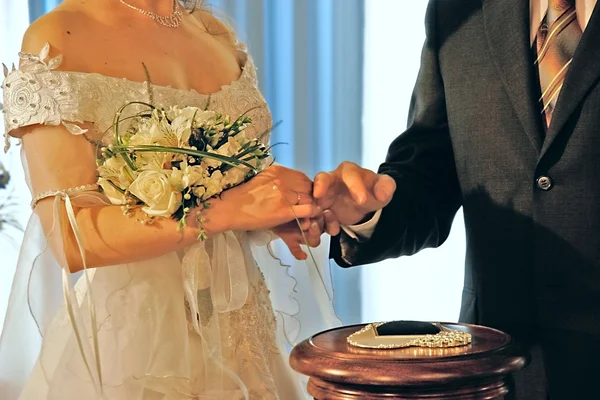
[
  {"x": 170, "y": 21},
  {"x": 369, "y": 338}
]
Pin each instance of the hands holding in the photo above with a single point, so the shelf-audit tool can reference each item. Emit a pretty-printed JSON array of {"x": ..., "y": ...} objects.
[{"x": 346, "y": 196}]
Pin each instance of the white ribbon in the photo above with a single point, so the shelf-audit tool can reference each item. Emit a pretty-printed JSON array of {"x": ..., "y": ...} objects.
[{"x": 91, "y": 357}]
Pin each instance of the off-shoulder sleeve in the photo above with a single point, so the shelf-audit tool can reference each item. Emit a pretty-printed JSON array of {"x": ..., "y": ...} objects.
[{"x": 39, "y": 94}]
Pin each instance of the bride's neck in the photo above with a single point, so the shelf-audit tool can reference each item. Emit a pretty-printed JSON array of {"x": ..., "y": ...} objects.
[{"x": 162, "y": 7}]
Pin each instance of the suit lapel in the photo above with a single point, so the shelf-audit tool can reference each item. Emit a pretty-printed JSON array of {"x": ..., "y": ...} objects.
[
  {"x": 507, "y": 29},
  {"x": 583, "y": 73}
]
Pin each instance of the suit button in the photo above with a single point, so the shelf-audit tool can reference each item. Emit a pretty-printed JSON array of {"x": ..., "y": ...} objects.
[{"x": 544, "y": 182}]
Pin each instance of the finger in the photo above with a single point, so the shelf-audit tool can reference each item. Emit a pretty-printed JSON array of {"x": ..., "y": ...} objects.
[
  {"x": 304, "y": 224},
  {"x": 313, "y": 235},
  {"x": 384, "y": 189},
  {"x": 313, "y": 240},
  {"x": 304, "y": 198},
  {"x": 319, "y": 224},
  {"x": 304, "y": 185},
  {"x": 293, "y": 198},
  {"x": 295, "y": 249},
  {"x": 355, "y": 182},
  {"x": 296, "y": 180},
  {"x": 324, "y": 181},
  {"x": 303, "y": 211},
  {"x": 332, "y": 225}
]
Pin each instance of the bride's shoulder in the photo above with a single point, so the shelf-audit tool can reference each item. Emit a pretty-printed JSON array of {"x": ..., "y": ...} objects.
[
  {"x": 38, "y": 92},
  {"x": 218, "y": 28},
  {"x": 59, "y": 29}
]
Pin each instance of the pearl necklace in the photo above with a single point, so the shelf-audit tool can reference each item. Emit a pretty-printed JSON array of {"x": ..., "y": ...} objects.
[{"x": 170, "y": 21}]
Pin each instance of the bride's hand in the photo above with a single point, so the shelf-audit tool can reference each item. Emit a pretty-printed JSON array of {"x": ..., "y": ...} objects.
[
  {"x": 307, "y": 233},
  {"x": 274, "y": 197}
]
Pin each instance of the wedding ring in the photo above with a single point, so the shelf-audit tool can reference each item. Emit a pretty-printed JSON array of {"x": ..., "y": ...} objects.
[{"x": 297, "y": 198}]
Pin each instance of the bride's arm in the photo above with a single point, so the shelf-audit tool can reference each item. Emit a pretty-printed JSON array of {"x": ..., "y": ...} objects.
[{"x": 58, "y": 160}]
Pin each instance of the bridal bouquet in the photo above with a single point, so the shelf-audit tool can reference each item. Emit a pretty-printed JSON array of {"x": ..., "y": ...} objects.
[{"x": 170, "y": 161}]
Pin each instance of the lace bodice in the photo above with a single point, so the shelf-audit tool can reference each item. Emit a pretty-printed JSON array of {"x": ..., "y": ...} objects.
[{"x": 39, "y": 93}]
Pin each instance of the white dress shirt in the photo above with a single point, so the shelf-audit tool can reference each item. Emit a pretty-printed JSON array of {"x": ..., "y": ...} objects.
[{"x": 538, "y": 10}]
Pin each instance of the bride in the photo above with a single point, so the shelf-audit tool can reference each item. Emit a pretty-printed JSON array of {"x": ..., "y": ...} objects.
[{"x": 129, "y": 310}]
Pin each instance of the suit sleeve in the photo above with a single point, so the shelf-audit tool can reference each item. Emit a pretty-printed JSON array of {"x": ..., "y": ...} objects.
[{"x": 421, "y": 161}]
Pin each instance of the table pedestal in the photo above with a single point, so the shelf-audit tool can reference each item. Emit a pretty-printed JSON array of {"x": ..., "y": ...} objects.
[{"x": 339, "y": 371}]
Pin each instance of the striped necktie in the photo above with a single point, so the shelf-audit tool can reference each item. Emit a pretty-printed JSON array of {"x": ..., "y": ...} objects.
[{"x": 556, "y": 40}]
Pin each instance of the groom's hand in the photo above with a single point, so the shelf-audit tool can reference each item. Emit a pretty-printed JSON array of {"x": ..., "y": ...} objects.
[{"x": 352, "y": 193}]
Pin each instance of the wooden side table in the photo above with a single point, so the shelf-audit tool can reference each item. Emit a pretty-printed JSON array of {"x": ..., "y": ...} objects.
[{"x": 339, "y": 371}]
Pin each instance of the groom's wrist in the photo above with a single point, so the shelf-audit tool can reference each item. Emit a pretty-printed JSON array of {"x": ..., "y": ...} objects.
[
  {"x": 363, "y": 231},
  {"x": 364, "y": 219}
]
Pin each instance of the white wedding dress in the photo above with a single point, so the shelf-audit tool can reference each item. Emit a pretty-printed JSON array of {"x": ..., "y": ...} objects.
[{"x": 198, "y": 324}]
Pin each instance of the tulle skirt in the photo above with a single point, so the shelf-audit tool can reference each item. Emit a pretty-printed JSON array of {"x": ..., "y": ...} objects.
[{"x": 155, "y": 330}]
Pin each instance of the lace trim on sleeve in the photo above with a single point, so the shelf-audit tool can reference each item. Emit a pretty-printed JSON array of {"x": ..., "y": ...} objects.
[{"x": 37, "y": 94}]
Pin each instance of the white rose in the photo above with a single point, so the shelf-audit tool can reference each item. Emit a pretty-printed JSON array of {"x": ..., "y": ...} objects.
[
  {"x": 113, "y": 195},
  {"x": 154, "y": 189}
]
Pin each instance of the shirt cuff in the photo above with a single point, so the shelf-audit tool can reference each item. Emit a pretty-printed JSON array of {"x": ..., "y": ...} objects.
[{"x": 364, "y": 231}]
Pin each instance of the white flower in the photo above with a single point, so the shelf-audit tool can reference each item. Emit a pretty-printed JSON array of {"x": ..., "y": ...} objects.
[
  {"x": 200, "y": 117},
  {"x": 154, "y": 132},
  {"x": 230, "y": 149},
  {"x": 113, "y": 195},
  {"x": 241, "y": 138},
  {"x": 116, "y": 170},
  {"x": 153, "y": 188},
  {"x": 234, "y": 177},
  {"x": 156, "y": 161},
  {"x": 182, "y": 128},
  {"x": 195, "y": 174},
  {"x": 208, "y": 162},
  {"x": 199, "y": 191},
  {"x": 186, "y": 175},
  {"x": 215, "y": 137},
  {"x": 213, "y": 185},
  {"x": 205, "y": 118}
]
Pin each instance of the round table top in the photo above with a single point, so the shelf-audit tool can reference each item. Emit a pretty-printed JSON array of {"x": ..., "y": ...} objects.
[{"x": 328, "y": 356}]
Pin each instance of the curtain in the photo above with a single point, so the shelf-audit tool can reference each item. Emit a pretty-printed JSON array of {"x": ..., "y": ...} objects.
[
  {"x": 309, "y": 55},
  {"x": 426, "y": 286},
  {"x": 37, "y": 8}
]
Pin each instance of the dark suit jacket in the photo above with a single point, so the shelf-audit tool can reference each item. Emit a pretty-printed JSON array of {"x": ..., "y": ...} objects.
[{"x": 476, "y": 139}]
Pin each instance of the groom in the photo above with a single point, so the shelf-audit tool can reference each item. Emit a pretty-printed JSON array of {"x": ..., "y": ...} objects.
[{"x": 505, "y": 122}]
